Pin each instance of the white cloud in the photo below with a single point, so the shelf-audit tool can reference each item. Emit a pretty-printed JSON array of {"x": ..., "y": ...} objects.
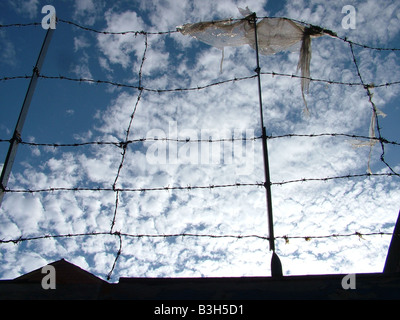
[
  {"x": 99, "y": 169},
  {"x": 88, "y": 11},
  {"x": 27, "y": 8},
  {"x": 80, "y": 43},
  {"x": 8, "y": 53},
  {"x": 329, "y": 15},
  {"x": 82, "y": 69},
  {"x": 8, "y": 50},
  {"x": 104, "y": 64},
  {"x": 26, "y": 212},
  {"x": 119, "y": 49}
]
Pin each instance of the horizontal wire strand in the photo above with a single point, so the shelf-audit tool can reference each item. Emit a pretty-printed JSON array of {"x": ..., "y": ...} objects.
[
  {"x": 122, "y": 144},
  {"x": 198, "y": 187},
  {"x": 190, "y": 235},
  {"x": 169, "y": 32},
  {"x": 236, "y": 79}
]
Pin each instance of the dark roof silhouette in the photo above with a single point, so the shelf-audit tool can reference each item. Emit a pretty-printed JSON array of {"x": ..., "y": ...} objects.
[
  {"x": 66, "y": 273},
  {"x": 74, "y": 283}
]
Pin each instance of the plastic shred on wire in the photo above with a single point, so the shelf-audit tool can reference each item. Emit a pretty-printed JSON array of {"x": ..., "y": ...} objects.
[
  {"x": 372, "y": 134},
  {"x": 274, "y": 35}
]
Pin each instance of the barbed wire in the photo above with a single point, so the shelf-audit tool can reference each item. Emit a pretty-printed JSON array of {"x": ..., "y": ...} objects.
[
  {"x": 119, "y": 235},
  {"x": 375, "y": 113},
  {"x": 123, "y": 155},
  {"x": 348, "y": 176},
  {"x": 30, "y": 24},
  {"x": 235, "y": 79},
  {"x": 106, "y": 32},
  {"x": 191, "y": 235},
  {"x": 350, "y": 84},
  {"x": 128, "y": 130},
  {"x": 130, "y": 86},
  {"x": 316, "y": 135},
  {"x": 114, "y": 189},
  {"x": 127, "y": 141},
  {"x": 123, "y": 144},
  {"x": 169, "y": 32},
  {"x": 325, "y": 30},
  {"x": 196, "y": 187}
]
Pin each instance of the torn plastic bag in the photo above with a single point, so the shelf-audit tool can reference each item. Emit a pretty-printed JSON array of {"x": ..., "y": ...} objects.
[
  {"x": 372, "y": 134},
  {"x": 219, "y": 34},
  {"x": 274, "y": 35}
]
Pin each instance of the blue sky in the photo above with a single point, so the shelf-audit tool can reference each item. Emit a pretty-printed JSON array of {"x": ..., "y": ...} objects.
[{"x": 71, "y": 112}]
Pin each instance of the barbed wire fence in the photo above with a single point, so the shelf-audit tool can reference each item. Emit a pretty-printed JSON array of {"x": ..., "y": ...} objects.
[{"x": 123, "y": 144}]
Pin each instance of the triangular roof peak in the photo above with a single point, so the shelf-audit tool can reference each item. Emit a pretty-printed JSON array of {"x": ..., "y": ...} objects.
[{"x": 66, "y": 273}]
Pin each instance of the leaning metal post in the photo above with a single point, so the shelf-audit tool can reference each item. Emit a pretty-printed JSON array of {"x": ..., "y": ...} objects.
[
  {"x": 276, "y": 266},
  {"x": 16, "y": 138}
]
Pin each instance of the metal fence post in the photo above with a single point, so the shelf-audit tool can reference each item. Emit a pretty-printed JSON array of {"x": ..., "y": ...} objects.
[{"x": 16, "y": 138}]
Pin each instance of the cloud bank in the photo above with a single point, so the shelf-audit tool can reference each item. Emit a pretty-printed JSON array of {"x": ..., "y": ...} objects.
[{"x": 305, "y": 209}]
